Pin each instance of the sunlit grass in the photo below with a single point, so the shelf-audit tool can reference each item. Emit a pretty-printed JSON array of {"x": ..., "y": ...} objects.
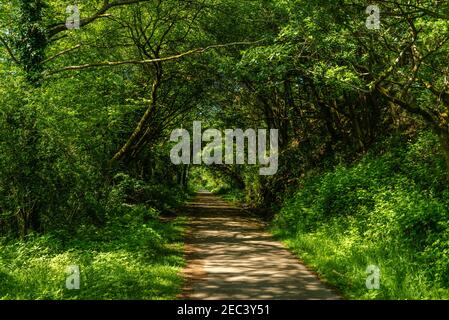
[
  {"x": 379, "y": 211},
  {"x": 126, "y": 267}
]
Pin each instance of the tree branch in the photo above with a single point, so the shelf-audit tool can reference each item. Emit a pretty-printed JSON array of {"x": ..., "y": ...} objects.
[
  {"x": 61, "y": 53},
  {"x": 146, "y": 61},
  {"x": 55, "y": 29},
  {"x": 11, "y": 54},
  {"x": 408, "y": 107}
]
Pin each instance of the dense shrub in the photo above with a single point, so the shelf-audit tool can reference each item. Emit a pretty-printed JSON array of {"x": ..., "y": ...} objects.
[{"x": 379, "y": 210}]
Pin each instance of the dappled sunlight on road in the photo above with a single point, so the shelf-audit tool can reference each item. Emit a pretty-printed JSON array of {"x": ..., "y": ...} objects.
[{"x": 230, "y": 256}]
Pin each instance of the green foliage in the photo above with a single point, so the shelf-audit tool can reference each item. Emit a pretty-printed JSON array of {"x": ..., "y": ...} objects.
[
  {"x": 128, "y": 191},
  {"x": 30, "y": 37},
  {"x": 135, "y": 256},
  {"x": 378, "y": 211},
  {"x": 51, "y": 172},
  {"x": 331, "y": 86}
]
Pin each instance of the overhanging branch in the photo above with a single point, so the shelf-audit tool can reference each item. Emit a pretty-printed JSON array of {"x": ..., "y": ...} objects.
[
  {"x": 62, "y": 53},
  {"x": 428, "y": 117},
  {"x": 146, "y": 61},
  {"x": 55, "y": 29}
]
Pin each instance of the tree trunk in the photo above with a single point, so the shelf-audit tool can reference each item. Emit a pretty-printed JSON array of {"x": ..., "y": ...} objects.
[{"x": 142, "y": 125}]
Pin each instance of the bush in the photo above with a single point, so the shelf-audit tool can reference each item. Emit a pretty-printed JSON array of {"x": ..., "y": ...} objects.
[{"x": 377, "y": 211}]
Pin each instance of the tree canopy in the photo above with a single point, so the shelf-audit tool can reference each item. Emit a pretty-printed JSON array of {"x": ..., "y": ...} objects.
[{"x": 86, "y": 109}]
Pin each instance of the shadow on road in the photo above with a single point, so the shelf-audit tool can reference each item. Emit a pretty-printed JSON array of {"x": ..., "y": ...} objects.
[{"x": 231, "y": 256}]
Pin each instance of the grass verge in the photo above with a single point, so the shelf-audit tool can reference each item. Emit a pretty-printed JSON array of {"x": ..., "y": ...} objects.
[
  {"x": 388, "y": 210},
  {"x": 136, "y": 256}
]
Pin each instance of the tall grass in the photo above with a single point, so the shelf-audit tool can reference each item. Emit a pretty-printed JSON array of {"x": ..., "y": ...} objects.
[{"x": 136, "y": 256}]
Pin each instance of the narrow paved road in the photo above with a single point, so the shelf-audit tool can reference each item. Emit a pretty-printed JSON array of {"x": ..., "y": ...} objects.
[{"x": 231, "y": 256}]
